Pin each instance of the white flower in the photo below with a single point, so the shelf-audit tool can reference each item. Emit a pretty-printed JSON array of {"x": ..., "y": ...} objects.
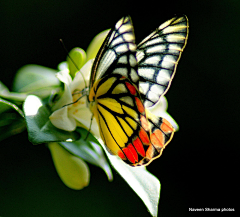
[
  {"x": 77, "y": 114},
  {"x": 68, "y": 115}
]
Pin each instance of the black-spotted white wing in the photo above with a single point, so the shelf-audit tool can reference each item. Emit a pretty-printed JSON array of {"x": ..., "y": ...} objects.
[
  {"x": 117, "y": 54},
  {"x": 158, "y": 56}
]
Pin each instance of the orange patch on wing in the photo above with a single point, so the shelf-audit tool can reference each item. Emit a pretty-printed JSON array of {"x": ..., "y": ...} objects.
[
  {"x": 144, "y": 123},
  {"x": 134, "y": 153},
  {"x": 150, "y": 152},
  {"x": 139, "y": 105},
  {"x": 131, "y": 88},
  {"x": 166, "y": 126},
  {"x": 144, "y": 137},
  {"x": 129, "y": 155},
  {"x": 139, "y": 146},
  {"x": 157, "y": 138}
]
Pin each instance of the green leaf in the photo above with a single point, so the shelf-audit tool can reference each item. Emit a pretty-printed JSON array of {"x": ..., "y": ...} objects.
[
  {"x": 11, "y": 124},
  {"x": 5, "y": 105},
  {"x": 5, "y": 93},
  {"x": 89, "y": 150},
  {"x": 3, "y": 87},
  {"x": 40, "y": 129},
  {"x": 145, "y": 185},
  {"x": 37, "y": 80}
]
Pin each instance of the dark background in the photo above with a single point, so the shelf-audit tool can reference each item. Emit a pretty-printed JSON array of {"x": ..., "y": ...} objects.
[{"x": 198, "y": 169}]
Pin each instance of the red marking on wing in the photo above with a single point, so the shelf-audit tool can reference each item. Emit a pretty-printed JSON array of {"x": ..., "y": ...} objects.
[
  {"x": 131, "y": 88},
  {"x": 144, "y": 136},
  {"x": 157, "y": 138},
  {"x": 139, "y": 105},
  {"x": 121, "y": 155},
  {"x": 139, "y": 146},
  {"x": 129, "y": 155},
  {"x": 134, "y": 153},
  {"x": 166, "y": 126}
]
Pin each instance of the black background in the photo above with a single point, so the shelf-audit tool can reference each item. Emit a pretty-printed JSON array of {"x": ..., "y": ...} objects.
[{"x": 198, "y": 169}]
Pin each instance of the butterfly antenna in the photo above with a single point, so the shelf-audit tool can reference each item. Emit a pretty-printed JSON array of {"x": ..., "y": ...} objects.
[
  {"x": 76, "y": 100},
  {"x": 89, "y": 128},
  {"x": 64, "y": 47}
]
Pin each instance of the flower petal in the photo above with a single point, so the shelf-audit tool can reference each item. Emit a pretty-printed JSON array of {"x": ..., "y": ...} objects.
[
  {"x": 95, "y": 44},
  {"x": 73, "y": 171},
  {"x": 64, "y": 76},
  {"x": 78, "y": 58},
  {"x": 62, "y": 66},
  {"x": 161, "y": 106},
  {"x": 66, "y": 97},
  {"x": 61, "y": 120},
  {"x": 145, "y": 185},
  {"x": 160, "y": 110},
  {"x": 78, "y": 82},
  {"x": 84, "y": 116}
]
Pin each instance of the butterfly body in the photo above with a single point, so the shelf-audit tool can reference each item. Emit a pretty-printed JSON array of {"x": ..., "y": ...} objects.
[{"x": 118, "y": 96}]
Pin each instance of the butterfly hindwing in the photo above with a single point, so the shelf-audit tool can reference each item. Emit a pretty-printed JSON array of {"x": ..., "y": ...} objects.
[
  {"x": 158, "y": 56},
  {"x": 125, "y": 127},
  {"x": 161, "y": 133}
]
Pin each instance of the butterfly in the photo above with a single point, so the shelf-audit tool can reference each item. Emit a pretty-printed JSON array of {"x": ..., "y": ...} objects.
[{"x": 126, "y": 79}]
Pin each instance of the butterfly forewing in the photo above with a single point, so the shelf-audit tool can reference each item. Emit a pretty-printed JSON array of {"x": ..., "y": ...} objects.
[
  {"x": 158, "y": 56},
  {"x": 114, "y": 96},
  {"x": 116, "y": 53}
]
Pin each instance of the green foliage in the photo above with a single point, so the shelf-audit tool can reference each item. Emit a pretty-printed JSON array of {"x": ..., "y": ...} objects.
[
  {"x": 37, "y": 80},
  {"x": 89, "y": 150},
  {"x": 40, "y": 129},
  {"x": 11, "y": 116},
  {"x": 11, "y": 123}
]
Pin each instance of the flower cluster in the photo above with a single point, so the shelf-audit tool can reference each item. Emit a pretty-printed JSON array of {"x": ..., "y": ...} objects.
[{"x": 60, "y": 118}]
